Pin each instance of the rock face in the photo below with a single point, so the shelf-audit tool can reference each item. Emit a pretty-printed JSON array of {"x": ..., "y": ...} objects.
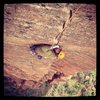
[{"x": 26, "y": 24}]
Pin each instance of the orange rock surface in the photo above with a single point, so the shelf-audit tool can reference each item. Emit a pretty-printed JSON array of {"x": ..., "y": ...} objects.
[{"x": 26, "y": 24}]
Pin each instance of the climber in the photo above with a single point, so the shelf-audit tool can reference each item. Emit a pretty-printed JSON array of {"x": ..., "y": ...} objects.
[{"x": 45, "y": 51}]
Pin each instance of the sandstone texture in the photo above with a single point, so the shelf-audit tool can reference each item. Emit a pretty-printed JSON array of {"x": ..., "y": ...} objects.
[{"x": 27, "y": 24}]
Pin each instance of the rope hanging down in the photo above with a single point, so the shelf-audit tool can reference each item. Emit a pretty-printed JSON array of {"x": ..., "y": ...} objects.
[{"x": 58, "y": 37}]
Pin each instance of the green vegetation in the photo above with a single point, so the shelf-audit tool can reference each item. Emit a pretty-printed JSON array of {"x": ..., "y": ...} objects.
[{"x": 80, "y": 84}]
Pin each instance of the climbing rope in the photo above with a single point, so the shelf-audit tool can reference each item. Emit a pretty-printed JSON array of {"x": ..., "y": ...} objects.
[{"x": 58, "y": 37}]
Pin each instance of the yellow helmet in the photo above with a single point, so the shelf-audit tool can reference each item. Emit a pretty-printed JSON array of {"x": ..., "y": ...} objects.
[{"x": 61, "y": 55}]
